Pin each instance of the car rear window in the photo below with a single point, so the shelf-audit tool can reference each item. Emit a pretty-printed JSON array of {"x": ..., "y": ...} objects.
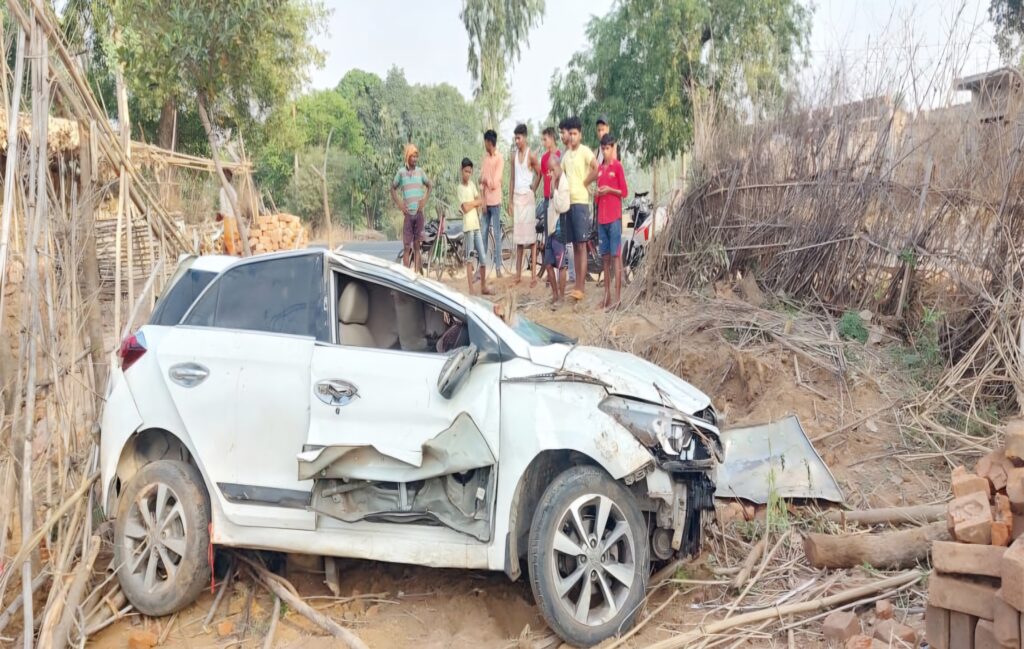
[
  {"x": 283, "y": 295},
  {"x": 173, "y": 304}
]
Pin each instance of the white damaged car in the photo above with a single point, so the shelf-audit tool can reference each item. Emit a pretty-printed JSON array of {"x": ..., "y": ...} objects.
[{"x": 339, "y": 405}]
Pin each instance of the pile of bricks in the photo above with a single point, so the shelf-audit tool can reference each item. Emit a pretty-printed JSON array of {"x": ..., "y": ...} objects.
[
  {"x": 976, "y": 592},
  {"x": 273, "y": 232},
  {"x": 844, "y": 629}
]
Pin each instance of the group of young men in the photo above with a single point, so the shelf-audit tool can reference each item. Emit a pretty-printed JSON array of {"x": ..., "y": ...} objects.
[{"x": 560, "y": 223}]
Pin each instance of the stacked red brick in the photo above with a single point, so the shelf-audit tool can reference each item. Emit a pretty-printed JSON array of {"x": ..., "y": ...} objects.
[
  {"x": 976, "y": 592},
  {"x": 273, "y": 232}
]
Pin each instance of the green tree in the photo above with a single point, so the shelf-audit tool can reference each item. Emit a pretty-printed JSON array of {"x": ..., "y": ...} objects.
[
  {"x": 1008, "y": 17},
  {"x": 650, "y": 60},
  {"x": 236, "y": 59},
  {"x": 296, "y": 127},
  {"x": 497, "y": 29}
]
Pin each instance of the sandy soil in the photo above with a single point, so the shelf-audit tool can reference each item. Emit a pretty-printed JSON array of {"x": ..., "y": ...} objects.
[{"x": 402, "y": 606}]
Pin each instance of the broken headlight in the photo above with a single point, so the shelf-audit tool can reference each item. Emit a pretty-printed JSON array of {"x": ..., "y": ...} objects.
[{"x": 651, "y": 424}]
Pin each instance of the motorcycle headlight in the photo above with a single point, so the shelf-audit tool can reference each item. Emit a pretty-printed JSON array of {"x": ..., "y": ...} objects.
[{"x": 652, "y": 425}]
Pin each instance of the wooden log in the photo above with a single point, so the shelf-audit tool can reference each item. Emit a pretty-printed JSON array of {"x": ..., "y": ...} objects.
[
  {"x": 748, "y": 564},
  {"x": 889, "y": 515},
  {"x": 900, "y": 549}
]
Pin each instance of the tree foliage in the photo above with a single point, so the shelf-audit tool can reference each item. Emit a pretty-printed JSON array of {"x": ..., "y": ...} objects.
[
  {"x": 648, "y": 59},
  {"x": 243, "y": 56},
  {"x": 497, "y": 30},
  {"x": 1008, "y": 17}
]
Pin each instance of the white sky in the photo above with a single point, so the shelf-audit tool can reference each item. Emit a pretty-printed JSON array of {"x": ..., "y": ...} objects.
[{"x": 862, "y": 37}]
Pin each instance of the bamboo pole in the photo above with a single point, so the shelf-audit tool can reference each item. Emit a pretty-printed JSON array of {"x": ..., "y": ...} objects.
[{"x": 11, "y": 166}]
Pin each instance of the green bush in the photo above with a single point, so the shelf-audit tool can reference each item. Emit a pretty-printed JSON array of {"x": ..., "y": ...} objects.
[{"x": 851, "y": 327}]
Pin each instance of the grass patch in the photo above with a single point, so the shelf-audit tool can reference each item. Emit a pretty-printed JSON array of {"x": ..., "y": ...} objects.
[{"x": 851, "y": 327}]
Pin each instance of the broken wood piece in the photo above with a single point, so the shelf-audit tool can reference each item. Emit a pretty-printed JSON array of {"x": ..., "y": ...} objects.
[
  {"x": 76, "y": 592},
  {"x": 283, "y": 588},
  {"x": 220, "y": 596},
  {"x": 275, "y": 612},
  {"x": 901, "y": 580},
  {"x": 899, "y": 549},
  {"x": 748, "y": 564},
  {"x": 889, "y": 515},
  {"x": 331, "y": 576}
]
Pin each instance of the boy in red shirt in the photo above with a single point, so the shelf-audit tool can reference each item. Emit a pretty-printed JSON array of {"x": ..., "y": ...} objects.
[{"x": 611, "y": 189}]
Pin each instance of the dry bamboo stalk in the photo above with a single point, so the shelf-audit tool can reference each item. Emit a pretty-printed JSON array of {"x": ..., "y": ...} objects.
[
  {"x": 275, "y": 613},
  {"x": 10, "y": 167},
  {"x": 76, "y": 591},
  {"x": 283, "y": 589},
  {"x": 849, "y": 595},
  {"x": 15, "y": 605}
]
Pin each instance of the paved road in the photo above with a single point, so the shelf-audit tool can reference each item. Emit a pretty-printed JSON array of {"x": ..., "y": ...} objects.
[{"x": 384, "y": 249}]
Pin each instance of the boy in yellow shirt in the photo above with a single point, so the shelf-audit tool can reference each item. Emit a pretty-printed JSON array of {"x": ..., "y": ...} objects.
[{"x": 469, "y": 201}]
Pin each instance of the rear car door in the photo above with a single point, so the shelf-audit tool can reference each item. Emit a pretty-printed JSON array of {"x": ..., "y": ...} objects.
[
  {"x": 385, "y": 445},
  {"x": 237, "y": 369}
]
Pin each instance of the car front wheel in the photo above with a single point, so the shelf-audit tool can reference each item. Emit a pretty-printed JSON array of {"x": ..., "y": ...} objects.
[
  {"x": 588, "y": 556},
  {"x": 161, "y": 537}
]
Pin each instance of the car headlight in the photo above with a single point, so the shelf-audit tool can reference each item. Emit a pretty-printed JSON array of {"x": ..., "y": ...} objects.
[{"x": 651, "y": 424}]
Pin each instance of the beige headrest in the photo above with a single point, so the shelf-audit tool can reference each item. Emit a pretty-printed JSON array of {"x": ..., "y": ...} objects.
[{"x": 354, "y": 306}]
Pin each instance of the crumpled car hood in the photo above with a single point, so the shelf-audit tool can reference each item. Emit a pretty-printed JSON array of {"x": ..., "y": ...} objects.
[{"x": 625, "y": 375}]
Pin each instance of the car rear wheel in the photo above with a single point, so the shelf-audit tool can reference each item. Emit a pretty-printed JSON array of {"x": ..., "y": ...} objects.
[
  {"x": 161, "y": 537},
  {"x": 588, "y": 556}
]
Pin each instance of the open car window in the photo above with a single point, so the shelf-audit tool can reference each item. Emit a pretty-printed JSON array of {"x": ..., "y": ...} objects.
[
  {"x": 377, "y": 316},
  {"x": 280, "y": 295}
]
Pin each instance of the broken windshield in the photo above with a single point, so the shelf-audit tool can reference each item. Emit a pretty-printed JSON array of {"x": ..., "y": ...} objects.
[{"x": 536, "y": 334}]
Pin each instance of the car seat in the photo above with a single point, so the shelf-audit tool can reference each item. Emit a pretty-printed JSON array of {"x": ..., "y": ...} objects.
[{"x": 353, "y": 311}]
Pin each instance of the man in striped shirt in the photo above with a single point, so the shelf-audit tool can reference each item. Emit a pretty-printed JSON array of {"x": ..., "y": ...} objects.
[{"x": 415, "y": 188}]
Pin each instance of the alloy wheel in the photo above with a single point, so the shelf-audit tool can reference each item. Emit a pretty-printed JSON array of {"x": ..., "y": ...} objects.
[
  {"x": 594, "y": 559},
  {"x": 155, "y": 533}
]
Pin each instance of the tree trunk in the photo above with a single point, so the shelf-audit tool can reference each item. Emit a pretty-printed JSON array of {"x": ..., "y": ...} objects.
[
  {"x": 243, "y": 227},
  {"x": 883, "y": 515},
  {"x": 166, "y": 134},
  {"x": 902, "y": 549},
  {"x": 87, "y": 194}
]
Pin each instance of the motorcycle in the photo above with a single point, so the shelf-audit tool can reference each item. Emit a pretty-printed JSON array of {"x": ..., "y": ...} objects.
[
  {"x": 643, "y": 218},
  {"x": 440, "y": 251}
]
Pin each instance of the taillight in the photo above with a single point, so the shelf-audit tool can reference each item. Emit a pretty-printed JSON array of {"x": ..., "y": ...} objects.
[{"x": 132, "y": 349}]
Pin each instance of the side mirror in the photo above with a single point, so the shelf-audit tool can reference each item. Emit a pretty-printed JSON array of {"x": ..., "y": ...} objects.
[{"x": 456, "y": 369}]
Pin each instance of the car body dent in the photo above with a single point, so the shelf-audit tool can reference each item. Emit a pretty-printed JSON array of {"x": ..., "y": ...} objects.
[
  {"x": 121, "y": 420},
  {"x": 625, "y": 374},
  {"x": 458, "y": 448}
]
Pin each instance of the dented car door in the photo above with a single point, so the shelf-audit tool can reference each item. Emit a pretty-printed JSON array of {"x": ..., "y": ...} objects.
[{"x": 384, "y": 445}]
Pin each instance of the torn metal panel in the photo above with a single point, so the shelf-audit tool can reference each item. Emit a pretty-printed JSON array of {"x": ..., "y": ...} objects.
[
  {"x": 460, "y": 447},
  {"x": 777, "y": 457},
  {"x": 461, "y": 501}
]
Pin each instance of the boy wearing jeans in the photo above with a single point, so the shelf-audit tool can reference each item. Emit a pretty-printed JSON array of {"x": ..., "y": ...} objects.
[
  {"x": 469, "y": 202},
  {"x": 490, "y": 181},
  {"x": 611, "y": 189},
  {"x": 580, "y": 168}
]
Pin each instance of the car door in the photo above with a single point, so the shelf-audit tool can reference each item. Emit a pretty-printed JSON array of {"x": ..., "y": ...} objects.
[
  {"x": 381, "y": 438},
  {"x": 237, "y": 370}
]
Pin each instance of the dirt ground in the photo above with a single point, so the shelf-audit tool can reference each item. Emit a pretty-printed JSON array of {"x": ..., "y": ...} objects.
[{"x": 393, "y": 606}]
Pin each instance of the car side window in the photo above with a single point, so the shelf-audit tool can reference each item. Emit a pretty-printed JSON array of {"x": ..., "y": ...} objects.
[{"x": 283, "y": 295}]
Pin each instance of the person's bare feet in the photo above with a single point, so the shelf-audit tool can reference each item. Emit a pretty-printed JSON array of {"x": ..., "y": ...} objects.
[
  {"x": 533, "y": 282},
  {"x": 487, "y": 291}
]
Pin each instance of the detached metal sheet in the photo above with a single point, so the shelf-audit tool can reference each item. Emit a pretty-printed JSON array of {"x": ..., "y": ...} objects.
[{"x": 775, "y": 455}]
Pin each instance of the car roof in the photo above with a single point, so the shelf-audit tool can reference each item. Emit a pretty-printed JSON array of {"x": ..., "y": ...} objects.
[{"x": 210, "y": 263}]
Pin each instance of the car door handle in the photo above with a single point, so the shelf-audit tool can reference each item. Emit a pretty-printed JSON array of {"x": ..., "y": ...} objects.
[
  {"x": 188, "y": 375},
  {"x": 336, "y": 392}
]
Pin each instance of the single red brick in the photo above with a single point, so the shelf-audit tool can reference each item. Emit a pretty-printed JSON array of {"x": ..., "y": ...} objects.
[
  {"x": 993, "y": 466},
  {"x": 1006, "y": 624},
  {"x": 961, "y": 630},
  {"x": 1002, "y": 511},
  {"x": 1015, "y": 489},
  {"x": 936, "y": 627},
  {"x": 139, "y": 639},
  {"x": 967, "y": 559},
  {"x": 1012, "y": 572},
  {"x": 965, "y": 483},
  {"x": 972, "y": 596},
  {"x": 1013, "y": 434},
  {"x": 883, "y": 609},
  {"x": 890, "y": 630},
  {"x": 1000, "y": 534},
  {"x": 985, "y": 636},
  {"x": 840, "y": 626},
  {"x": 972, "y": 518}
]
